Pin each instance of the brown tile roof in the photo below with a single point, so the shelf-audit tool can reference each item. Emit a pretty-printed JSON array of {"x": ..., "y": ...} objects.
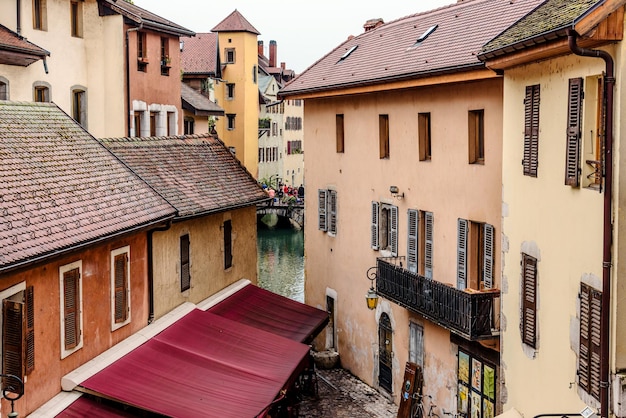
[
  {"x": 235, "y": 22},
  {"x": 16, "y": 50},
  {"x": 60, "y": 188},
  {"x": 197, "y": 174},
  {"x": 149, "y": 19},
  {"x": 196, "y": 102},
  {"x": 200, "y": 54},
  {"x": 547, "y": 21},
  {"x": 392, "y": 52}
]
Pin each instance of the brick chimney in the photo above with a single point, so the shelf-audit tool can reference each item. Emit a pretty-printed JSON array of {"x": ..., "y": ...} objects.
[
  {"x": 373, "y": 24},
  {"x": 260, "y": 44},
  {"x": 272, "y": 54}
]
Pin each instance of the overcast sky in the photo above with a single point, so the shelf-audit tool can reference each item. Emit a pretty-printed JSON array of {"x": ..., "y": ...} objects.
[{"x": 304, "y": 31}]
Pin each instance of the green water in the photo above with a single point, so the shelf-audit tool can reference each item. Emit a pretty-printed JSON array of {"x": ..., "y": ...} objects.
[{"x": 281, "y": 261}]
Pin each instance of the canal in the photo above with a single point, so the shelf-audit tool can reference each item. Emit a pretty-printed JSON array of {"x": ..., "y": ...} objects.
[{"x": 281, "y": 261}]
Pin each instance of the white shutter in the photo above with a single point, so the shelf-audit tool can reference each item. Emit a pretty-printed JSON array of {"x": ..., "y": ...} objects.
[
  {"x": 411, "y": 245},
  {"x": 393, "y": 231},
  {"x": 374, "y": 228},
  {"x": 428, "y": 244},
  {"x": 321, "y": 209},
  {"x": 332, "y": 212},
  {"x": 488, "y": 256},
  {"x": 461, "y": 260}
]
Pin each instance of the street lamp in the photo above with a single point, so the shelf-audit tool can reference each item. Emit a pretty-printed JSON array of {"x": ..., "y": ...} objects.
[
  {"x": 12, "y": 390},
  {"x": 372, "y": 297}
]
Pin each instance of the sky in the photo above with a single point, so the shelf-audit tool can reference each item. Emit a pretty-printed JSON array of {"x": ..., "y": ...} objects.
[{"x": 304, "y": 31}]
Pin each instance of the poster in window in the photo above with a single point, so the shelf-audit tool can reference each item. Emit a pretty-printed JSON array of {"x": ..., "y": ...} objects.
[
  {"x": 475, "y": 409},
  {"x": 463, "y": 367},
  {"x": 487, "y": 409},
  {"x": 489, "y": 384},
  {"x": 476, "y": 374},
  {"x": 463, "y": 399}
]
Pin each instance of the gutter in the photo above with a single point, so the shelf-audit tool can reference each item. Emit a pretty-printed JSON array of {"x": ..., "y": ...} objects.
[
  {"x": 219, "y": 210},
  {"x": 609, "y": 84},
  {"x": 128, "y": 103}
]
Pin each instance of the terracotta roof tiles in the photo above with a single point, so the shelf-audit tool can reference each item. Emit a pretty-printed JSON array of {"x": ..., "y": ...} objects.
[
  {"x": 199, "y": 54},
  {"x": 149, "y": 19},
  {"x": 235, "y": 22},
  {"x": 17, "y": 50},
  {"x": 195, "y": 101}
]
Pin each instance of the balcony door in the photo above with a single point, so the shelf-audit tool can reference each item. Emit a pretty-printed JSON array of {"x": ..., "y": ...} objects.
[{"x": 385, "y": 344}]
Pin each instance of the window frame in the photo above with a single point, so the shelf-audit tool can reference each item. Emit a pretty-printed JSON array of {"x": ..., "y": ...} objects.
[
  {"x": 228, "y": 244},
  {"x": 384, "y": 228},
  {"x": 424, "y": 136},
  {"x": 229, "y": 55},
  {"x": 475, "y": 255},
  {"x": 79, "y": 105},
  {"x": 69, "y": 345},
  {"x": 189, "y": 125},
  {"x": 4, "y": 88},
  {"x": 476, "y": 136},
  {"x": 120, "y": 292},
  {"x": 471, "y": 384},
  {"x": 40, "y": 12},
  {"x": 76, "y": 19},
  {"x": 142, "y": 51},
  {"x": 230, "y": 117},
  {"x": 383, "y": 136},
  {"x": 230, "y": 91},
  {"x": 416, "y": 344},
  {"x": 530, "y": 161},
  {"x": 185, "y": 262},
  {"x": 166, "y": 60},
  {"x": 339, "y": 133},
  {"x": 42, "y": 92}
]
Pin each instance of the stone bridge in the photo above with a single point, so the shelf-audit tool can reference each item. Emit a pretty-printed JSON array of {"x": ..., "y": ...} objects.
[{"x": 295, "y": 213}]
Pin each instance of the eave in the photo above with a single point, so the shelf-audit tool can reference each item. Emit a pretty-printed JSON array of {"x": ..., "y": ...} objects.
[{"x": 21, "y": 58}]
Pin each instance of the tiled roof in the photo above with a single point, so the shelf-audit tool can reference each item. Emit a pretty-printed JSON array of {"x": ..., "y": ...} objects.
[
  {"x": 16, "y": 50},
  {"x": 197, "y": 174},
  {"x": 550, "y": 17},
  {"x": 392, "y": 52},
  {"x": 199, "y": 54},
  {"x": 148, "y": 19},
  {"x": 60, "y": 188},
  {"x": 198, "y": 102},
  {"x": 235, "y": 22}
]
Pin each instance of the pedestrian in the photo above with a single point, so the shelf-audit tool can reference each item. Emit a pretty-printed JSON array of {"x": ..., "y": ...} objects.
[
  {"x": 271, "y": 193},
  {"x": 301, "y": 192}
]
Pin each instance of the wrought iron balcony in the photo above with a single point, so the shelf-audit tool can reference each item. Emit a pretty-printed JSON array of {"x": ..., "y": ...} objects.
[{"x": 474, "y": 315}]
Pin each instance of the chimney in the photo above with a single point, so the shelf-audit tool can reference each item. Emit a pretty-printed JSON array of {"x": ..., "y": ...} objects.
[
  {"x": 272, "y": 54},
  {"x": 260, "y": 43},
  {"x": 373, "y": 24}
]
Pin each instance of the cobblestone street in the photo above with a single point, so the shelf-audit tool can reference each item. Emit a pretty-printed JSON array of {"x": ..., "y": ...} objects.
[{"x": 343, "y": 395}]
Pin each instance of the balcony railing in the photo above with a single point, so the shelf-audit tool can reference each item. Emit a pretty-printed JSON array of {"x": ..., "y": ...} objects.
[{"x": 474, "y": 315}]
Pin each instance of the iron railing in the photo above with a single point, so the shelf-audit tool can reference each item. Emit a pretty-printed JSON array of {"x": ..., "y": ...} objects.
[{"x": 474, "y": 315}]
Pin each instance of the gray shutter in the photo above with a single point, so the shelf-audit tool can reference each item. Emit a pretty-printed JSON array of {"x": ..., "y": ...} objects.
[
  {"x": 428, "y": 244},
  {"x": 531, "y": 131},
  {"x": 461, "y": 259},
  {"x": 374, "y": 227},
  {"x": 488, "y": 256},
  {"x": 529, "y": 300},
  {"x": 332, "y": 212},
  {"x": 574, "y": 112},
  {"x": 322, "y": 196},
  {"x": 412, "y": 240},
  {"x": 589, "y": 348},
  {"x": 394, "y": 231}
]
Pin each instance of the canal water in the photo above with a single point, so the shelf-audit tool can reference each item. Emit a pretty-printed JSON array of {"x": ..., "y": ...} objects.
[{"x": 281, "y": 261}]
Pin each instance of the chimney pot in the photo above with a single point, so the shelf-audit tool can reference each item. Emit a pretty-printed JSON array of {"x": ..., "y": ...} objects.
[{"x": 272, "y": 60}]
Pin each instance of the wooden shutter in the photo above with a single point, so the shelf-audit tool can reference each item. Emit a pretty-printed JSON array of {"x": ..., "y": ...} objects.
[
  {"x": 589, "y": 349},
  {"x": 488, "y": 234},
  {"x": 412, "y": 240},
  {"x": 71, "y": 288},
  {"x": 228, "y": 244},
  {"x": 322, "y": 197},
  {"x": 185, "y": 274},
  {"x": 120, "y": 265},
  {"x": 461, "y": 259},
  {"x": 13, "y": 347},
  {"x": 29, "y": 298},
  {"x": 574, "y": 114},
  {"x": 393, "y": 230},
  {"x": 374, "y": 227},
  {"x": 428, "y": 244},
  {"x": 332, "y": 209},
  {"x": 529, "y": 300},
  {"x": 531, "y": 131}
]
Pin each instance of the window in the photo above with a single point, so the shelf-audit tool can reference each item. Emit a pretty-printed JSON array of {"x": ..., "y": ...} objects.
[
  {"x": 383, "y": 135},
  {"x": 231, "y": 121},
  {"x": 4, "y": 88},
  {"x": 230, "y": 91},
  {"x": 254, "y": 74},
  {"x": 476, "y": 135},
  {"x": 229, "y": 53},
  {"x": 153, "y": 123},
  {"x": 171, "y": 123},
  {"x": 589, "y": 349},
  {"x": 384, "y": 228},
  {"x": 529, "y": 300},
  {"x": 142, "y": 54},
  {"x": 420, "y": 242},
  {"x": 327, "y": 211},
  {"x": 76, "y": 18},
  {"x": 188, "y": 126},
  {"x": 40, "y": 14},
  {"x": 120, "y": 287},
  {"x": 41, "y": 92},
  {"x": 71, "y": 308},
  {"x": 79, "y": 107},
  {"x": 165, "y": 56},
  {"x": 423, "y": 128},
  {"x": 416, "y": 344},
  {"x": 339, "y": 133},
  {"x": 185, "y": 271},
  {"x": 594, "y": 116},
  {"x": 475, "y": 254},
  {"x": 137, "y": 117},
  {"x": 531, "y": 131},
  {"x": 574, "y": 114},
  {"x": 477, "y": 386},
  {"x": 18, "y": 332},
  {"x": 228, "y": 244},
  {"x": 294, "y": 147}
]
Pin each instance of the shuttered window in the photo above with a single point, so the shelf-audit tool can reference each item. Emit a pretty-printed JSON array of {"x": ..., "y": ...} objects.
[
  {"x": 393, "y": 230},
  {"x": 461, "y": 259},
  {"x": 531, "y": 131},
  {"x": 529, "y": 300},
  {"x": 29, "y": 300},
  {"x": 428, "y": 244},
  {"x": 120, "y": 275},
  {"x": 488, "y": 236},
  {"x": 374, "y": 226},
  {"x": 383, "y": 136},
  {"x": 574, "y": 115},
  {"x": 228, "y": 244},
  {"x": 71, "y": 308},
  {"x": 322, "y": 197},
  {"x": 18, "y": 337},
  {"x": 185, "y": 273},
  {"x": 412, "y": 240},
  {"x": 589, "y": 349},
  {"x": 332, "y": 212},
  {"x": 475, "y": 255}
]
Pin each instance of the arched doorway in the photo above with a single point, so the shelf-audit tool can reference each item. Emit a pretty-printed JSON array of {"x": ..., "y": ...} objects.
[{"x": 385, "y": 344}]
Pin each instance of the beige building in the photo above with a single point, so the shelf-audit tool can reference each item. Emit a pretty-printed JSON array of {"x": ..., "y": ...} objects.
[
  {"x": 406, "y": 168},
  {"x": 562, "y": 334}
]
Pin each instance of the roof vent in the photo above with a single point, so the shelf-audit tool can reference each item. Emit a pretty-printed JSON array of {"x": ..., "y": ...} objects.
[
  {"x": 348, "y": 52},
  {"x": 426, "y": 34}
]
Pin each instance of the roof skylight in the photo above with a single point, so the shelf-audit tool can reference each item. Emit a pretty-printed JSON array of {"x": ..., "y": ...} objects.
[
  {"x": 348, "y": 52},
  {"x": 426, "y": 34}
]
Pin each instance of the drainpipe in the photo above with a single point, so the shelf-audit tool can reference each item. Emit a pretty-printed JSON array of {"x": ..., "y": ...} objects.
[
  {"x": 151, "y": 269},
  {"x": 18, "y": 26},
  {"x": 138, "y": 28},
  {"x": 609, "y": 83}
]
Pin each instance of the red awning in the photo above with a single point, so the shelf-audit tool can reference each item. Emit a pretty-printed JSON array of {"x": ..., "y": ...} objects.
[
  {"x": 204, "y": 365},
  {"x": 87, "y": 407},
  {"x": 271, "y": 312}
]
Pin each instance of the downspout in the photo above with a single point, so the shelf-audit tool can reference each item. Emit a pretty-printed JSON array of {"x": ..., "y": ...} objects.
[
  {"x": 128, "y": 103},
  {"x": 18, "y": 16},
  {"x": 151, "y": 269},
  {"x": 609, "y": 83}
]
